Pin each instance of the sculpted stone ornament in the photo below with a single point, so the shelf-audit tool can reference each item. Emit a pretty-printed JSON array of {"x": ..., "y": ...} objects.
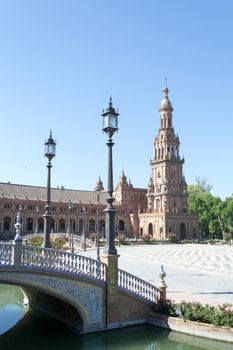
[
  {"x": 18, "y": 237},
  {"x": 162, "y": 285}
]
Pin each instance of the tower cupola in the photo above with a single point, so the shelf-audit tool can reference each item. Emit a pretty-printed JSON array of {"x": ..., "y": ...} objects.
[{"x": 165, "y": 103}]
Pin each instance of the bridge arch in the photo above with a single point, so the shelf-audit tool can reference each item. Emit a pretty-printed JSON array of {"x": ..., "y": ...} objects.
[
  {"x": 54, "y": 306},
  {"x": 73, "y": 301}
]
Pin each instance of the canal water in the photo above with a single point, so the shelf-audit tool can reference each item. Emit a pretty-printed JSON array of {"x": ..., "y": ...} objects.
[{"x": 23, "y": 329}]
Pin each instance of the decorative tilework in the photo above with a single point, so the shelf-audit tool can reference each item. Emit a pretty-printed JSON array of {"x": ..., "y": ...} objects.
[{"x": 88, "y": 298}]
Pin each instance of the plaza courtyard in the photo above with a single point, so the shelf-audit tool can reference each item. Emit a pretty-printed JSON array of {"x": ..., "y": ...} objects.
[{"x": 195, "y": 272}]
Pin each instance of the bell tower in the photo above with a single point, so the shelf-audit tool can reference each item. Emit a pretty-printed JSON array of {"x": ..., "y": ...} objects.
[
  {"x": 167, "y": 197},
  {"x": 170, "y": 190}
]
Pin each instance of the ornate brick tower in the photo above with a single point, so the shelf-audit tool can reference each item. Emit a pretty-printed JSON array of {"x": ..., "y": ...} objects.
[{"x": 167, "y": 190}]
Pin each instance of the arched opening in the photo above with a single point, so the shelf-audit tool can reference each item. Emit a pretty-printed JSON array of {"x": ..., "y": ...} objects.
[
  {"x": 7, "y": 224},
  {"x": 102, "y": 228},
  {"x": 73, "y": 225},
  {"x": 52, "y": 225},
  {"x": 182, "y": 231},
  {"x": 41, "y": 225},
  {"x": 81, "y": 225},
  {"x": 121, "y": 225},
  {"x": 61, "y": 225},
  {"x": 92, "y": 225},
  {"x": 55, "y": 307},
  {"x": 150, "y": 229},
  {"x": 29, "y": 225}
]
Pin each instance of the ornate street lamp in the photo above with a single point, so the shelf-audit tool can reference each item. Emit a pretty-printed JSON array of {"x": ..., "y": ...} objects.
[
  {"x": 50, "y": 149},
  {"x": 99, "y": 187},
  {"x": 110, "y": 126},
  {"x": 84, "y": 228}
]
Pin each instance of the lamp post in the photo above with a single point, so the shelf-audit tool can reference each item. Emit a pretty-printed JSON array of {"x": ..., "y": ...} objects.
[
  {"x": 84, "y": 229},
  {"x": 110, "y": 126},
  {"x": 50, "y": 149},
  {"x": 99, "y": 187},
  {"x": 37, "y": 210}
]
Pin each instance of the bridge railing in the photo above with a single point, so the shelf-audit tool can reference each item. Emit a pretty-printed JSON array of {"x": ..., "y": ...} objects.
[
  {"x": 137, "y": 286},
  {"x": 58, "y": 260},
  {"x": 6, "y": 254}
]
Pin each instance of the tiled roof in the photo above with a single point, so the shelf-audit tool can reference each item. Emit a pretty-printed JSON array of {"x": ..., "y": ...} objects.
[{"x": 26, "y": 192}]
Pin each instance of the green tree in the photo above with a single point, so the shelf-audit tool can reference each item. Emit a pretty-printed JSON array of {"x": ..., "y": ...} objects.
[
  {"x": 227, "y": 215},
  {"x": 208, "y": 207}
]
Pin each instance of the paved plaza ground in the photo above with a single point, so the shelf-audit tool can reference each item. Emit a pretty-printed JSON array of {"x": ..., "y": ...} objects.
[{"x": 195, "y": 272}]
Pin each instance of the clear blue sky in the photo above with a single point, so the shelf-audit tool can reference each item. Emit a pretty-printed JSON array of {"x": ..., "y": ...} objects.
[{"x": 61, "y": 59}]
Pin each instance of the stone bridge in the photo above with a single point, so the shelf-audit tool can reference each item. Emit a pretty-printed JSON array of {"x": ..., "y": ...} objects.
[{"x": 85, "y": 294}]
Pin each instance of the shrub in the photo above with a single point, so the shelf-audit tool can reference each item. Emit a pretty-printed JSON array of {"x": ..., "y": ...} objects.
[
  {"x": 227, "y": 236},
  {"x": 221, "y": 315},
  {"x": 167, "y": 308},
  {"x": 146, "y": 238},
  {"x": 93, "y": 237},
  {"x": 186, "y": 241},
  {"x": 172, "y": 238},
  {"x": 59, "y": 242},
  {"x": 121, "y": 238},
  {"x": 36, "y": 241}
]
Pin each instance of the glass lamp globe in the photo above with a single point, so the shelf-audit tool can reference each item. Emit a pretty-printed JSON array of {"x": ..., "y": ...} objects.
[{"x": 50, "y": 147}]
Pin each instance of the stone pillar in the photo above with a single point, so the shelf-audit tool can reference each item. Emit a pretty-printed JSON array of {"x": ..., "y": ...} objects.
[
  {"x": 17, "y": 253},
  {"x": 111, "y": 276},
  {"x": 162, "y": 286}
]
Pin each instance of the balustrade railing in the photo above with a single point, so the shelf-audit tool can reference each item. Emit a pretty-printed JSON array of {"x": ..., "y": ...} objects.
[
  {"x": 137, "y": 286},
  {"x": 62, "y": 261},
  {"x": 6, "y": 253},
  {"x": 57, "y": 260}
]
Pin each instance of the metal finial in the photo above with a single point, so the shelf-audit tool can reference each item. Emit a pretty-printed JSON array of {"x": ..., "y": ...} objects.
[
  {"x": 166, "y": 81},
  {"x": 110, "y": 101},
  {"x": 50, "y": 134}
]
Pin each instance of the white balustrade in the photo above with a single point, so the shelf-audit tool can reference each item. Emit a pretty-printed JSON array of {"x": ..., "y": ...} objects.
[
  {"x": 137, "y": 286},
  {"x": 6, "y": 254},
  {"x": 58, "y": 260}
]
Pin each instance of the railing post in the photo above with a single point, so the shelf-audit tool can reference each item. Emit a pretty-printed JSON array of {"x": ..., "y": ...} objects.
[
  {"x": 162, "y": 286},
  {"x": 17, "y": 260},
  {"x": 111, "y": 274}
]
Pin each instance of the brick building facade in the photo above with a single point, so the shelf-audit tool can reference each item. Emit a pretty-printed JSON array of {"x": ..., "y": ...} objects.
[{"x": 159, "y": 210}]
